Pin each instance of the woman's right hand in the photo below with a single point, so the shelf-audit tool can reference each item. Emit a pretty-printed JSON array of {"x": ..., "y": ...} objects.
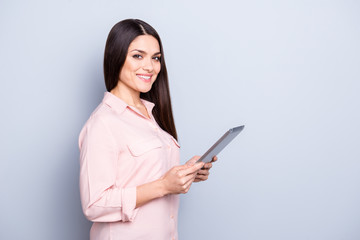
[{"x": 179, "y": 179}]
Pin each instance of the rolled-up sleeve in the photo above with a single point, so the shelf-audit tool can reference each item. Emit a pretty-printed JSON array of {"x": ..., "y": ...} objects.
[{"x": 102, "y": 200}]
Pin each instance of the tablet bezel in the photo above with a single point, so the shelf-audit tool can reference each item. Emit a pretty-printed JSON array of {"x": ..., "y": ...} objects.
[{"x": 220, "y": 144}]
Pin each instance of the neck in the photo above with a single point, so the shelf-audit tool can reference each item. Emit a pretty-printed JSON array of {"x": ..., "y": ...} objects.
[{"x": 128, "y": 95}]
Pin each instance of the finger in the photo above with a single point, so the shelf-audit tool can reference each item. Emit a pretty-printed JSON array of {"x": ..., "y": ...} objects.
[
  {"x": 192, "y": 168},
  {"x": 188, "y": 178},
  {"x": 214, "y": 159},
  {"x": 201, "y": 178},
  {"x": 192, "y": 161},
  {"x": 207, "y": 166},
  {"x": 179, "y": 168},
  {"x": 203, "y": 172},
  {"x": 187, "y": 185}
]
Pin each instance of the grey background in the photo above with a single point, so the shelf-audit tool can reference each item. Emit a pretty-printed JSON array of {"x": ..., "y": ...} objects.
[{"x": 288, "y": 70}]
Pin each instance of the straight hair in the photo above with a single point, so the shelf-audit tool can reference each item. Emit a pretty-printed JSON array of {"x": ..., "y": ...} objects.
[{"x": 116, "y": 50}]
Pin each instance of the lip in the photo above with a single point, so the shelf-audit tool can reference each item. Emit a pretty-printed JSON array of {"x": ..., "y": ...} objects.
[{"x": 145, "y": 79}]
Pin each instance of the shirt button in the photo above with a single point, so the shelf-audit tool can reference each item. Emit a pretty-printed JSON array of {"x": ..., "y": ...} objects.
[{"x": 172, "y": 216}]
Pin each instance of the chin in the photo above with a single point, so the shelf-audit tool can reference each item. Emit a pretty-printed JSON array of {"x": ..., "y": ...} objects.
[{"x": 145, "y": 89}]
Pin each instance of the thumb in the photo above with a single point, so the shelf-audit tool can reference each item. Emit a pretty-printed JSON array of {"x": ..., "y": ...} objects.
[
  {"x": 192, "y": 161},
  {"x": 180, "y": 167}
]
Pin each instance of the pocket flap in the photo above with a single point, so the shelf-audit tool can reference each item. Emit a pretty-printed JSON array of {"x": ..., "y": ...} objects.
[{"x": 144, "y": 146}]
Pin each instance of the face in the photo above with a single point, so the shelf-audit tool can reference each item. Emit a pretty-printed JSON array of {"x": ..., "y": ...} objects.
[{"x": 142, "y": 64}]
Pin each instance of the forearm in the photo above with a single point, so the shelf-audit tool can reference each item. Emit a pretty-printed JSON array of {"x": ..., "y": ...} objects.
[
  {"x": 177, "y": 180},
  {"x": 149, "y": 191}
]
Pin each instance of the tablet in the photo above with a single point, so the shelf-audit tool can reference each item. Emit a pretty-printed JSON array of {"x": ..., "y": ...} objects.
[{"x": 220, "y": 144}]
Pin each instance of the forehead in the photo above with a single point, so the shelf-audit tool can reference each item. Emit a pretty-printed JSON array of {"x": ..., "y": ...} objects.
[{"x": 146, "y": 43}]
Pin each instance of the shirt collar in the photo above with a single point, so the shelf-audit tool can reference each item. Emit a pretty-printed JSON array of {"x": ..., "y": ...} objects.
[{"x": 119, "y": 105}]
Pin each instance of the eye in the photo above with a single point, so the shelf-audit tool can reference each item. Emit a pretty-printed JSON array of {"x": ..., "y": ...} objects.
[
  {"x": 157, "y": 58},
  {"x": 137, "y": 56}
]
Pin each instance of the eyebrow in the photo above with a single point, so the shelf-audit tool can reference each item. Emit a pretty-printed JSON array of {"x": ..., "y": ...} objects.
[{"x": 141, "y": 51}]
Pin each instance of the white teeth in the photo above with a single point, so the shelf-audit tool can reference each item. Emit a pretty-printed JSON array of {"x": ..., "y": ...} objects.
[{"x": 145, "y": 77}]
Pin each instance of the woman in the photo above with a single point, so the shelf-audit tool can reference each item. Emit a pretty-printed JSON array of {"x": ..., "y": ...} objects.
[{"x": 130, "y": 176}]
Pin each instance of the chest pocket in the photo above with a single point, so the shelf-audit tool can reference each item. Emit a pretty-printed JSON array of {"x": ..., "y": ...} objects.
[{"x": 140, "y": 148}]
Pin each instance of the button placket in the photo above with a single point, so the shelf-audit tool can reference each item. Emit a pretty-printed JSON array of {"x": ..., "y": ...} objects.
[{"x": 153, "y": 126}]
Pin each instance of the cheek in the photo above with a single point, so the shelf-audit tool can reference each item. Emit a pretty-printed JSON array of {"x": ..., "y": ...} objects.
[
  {"x": 133, "y": 66},
  {"x": 157, "y": 68},
  {"x": 128, "y": 70},
  {"x": 124, "y": 74}
]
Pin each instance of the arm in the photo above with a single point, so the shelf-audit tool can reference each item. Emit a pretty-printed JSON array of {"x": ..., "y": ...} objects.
[
  {"x": 102, "y": 200},
  {"x": 177, "y": 180}
]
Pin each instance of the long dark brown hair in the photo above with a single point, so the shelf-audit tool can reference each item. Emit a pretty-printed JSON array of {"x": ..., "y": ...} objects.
[{"x": 116, "y": 49}]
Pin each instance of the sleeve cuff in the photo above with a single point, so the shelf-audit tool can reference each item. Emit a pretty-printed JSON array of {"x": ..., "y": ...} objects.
[{"x": 128, "y": 211}]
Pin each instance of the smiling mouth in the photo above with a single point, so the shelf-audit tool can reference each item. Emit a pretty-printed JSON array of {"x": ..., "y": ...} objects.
[{"x": 145, "y": 78}]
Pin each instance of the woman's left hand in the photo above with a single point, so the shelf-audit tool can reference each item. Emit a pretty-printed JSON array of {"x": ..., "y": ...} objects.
[{"x": 204, "y": 172}]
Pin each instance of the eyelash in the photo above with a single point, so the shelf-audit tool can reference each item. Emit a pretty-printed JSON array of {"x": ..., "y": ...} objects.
[{"x": 138, "y": 56}]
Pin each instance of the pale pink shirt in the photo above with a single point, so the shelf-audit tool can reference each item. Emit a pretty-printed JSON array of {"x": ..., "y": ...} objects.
[{"x": 120, "y": 149}]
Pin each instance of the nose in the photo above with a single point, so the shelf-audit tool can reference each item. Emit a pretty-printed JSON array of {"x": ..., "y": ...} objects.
[{"x": 148, "y": 64}]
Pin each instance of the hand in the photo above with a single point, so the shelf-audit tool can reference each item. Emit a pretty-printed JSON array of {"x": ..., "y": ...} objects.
[
  {"x": 179, "y": 179},
  {"x": 204, "y": 172}
]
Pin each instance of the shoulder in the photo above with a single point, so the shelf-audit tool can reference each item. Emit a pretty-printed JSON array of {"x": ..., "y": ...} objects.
[
  {"x": 104, "y": 115},
  {"x": 100, "y": 123}
]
